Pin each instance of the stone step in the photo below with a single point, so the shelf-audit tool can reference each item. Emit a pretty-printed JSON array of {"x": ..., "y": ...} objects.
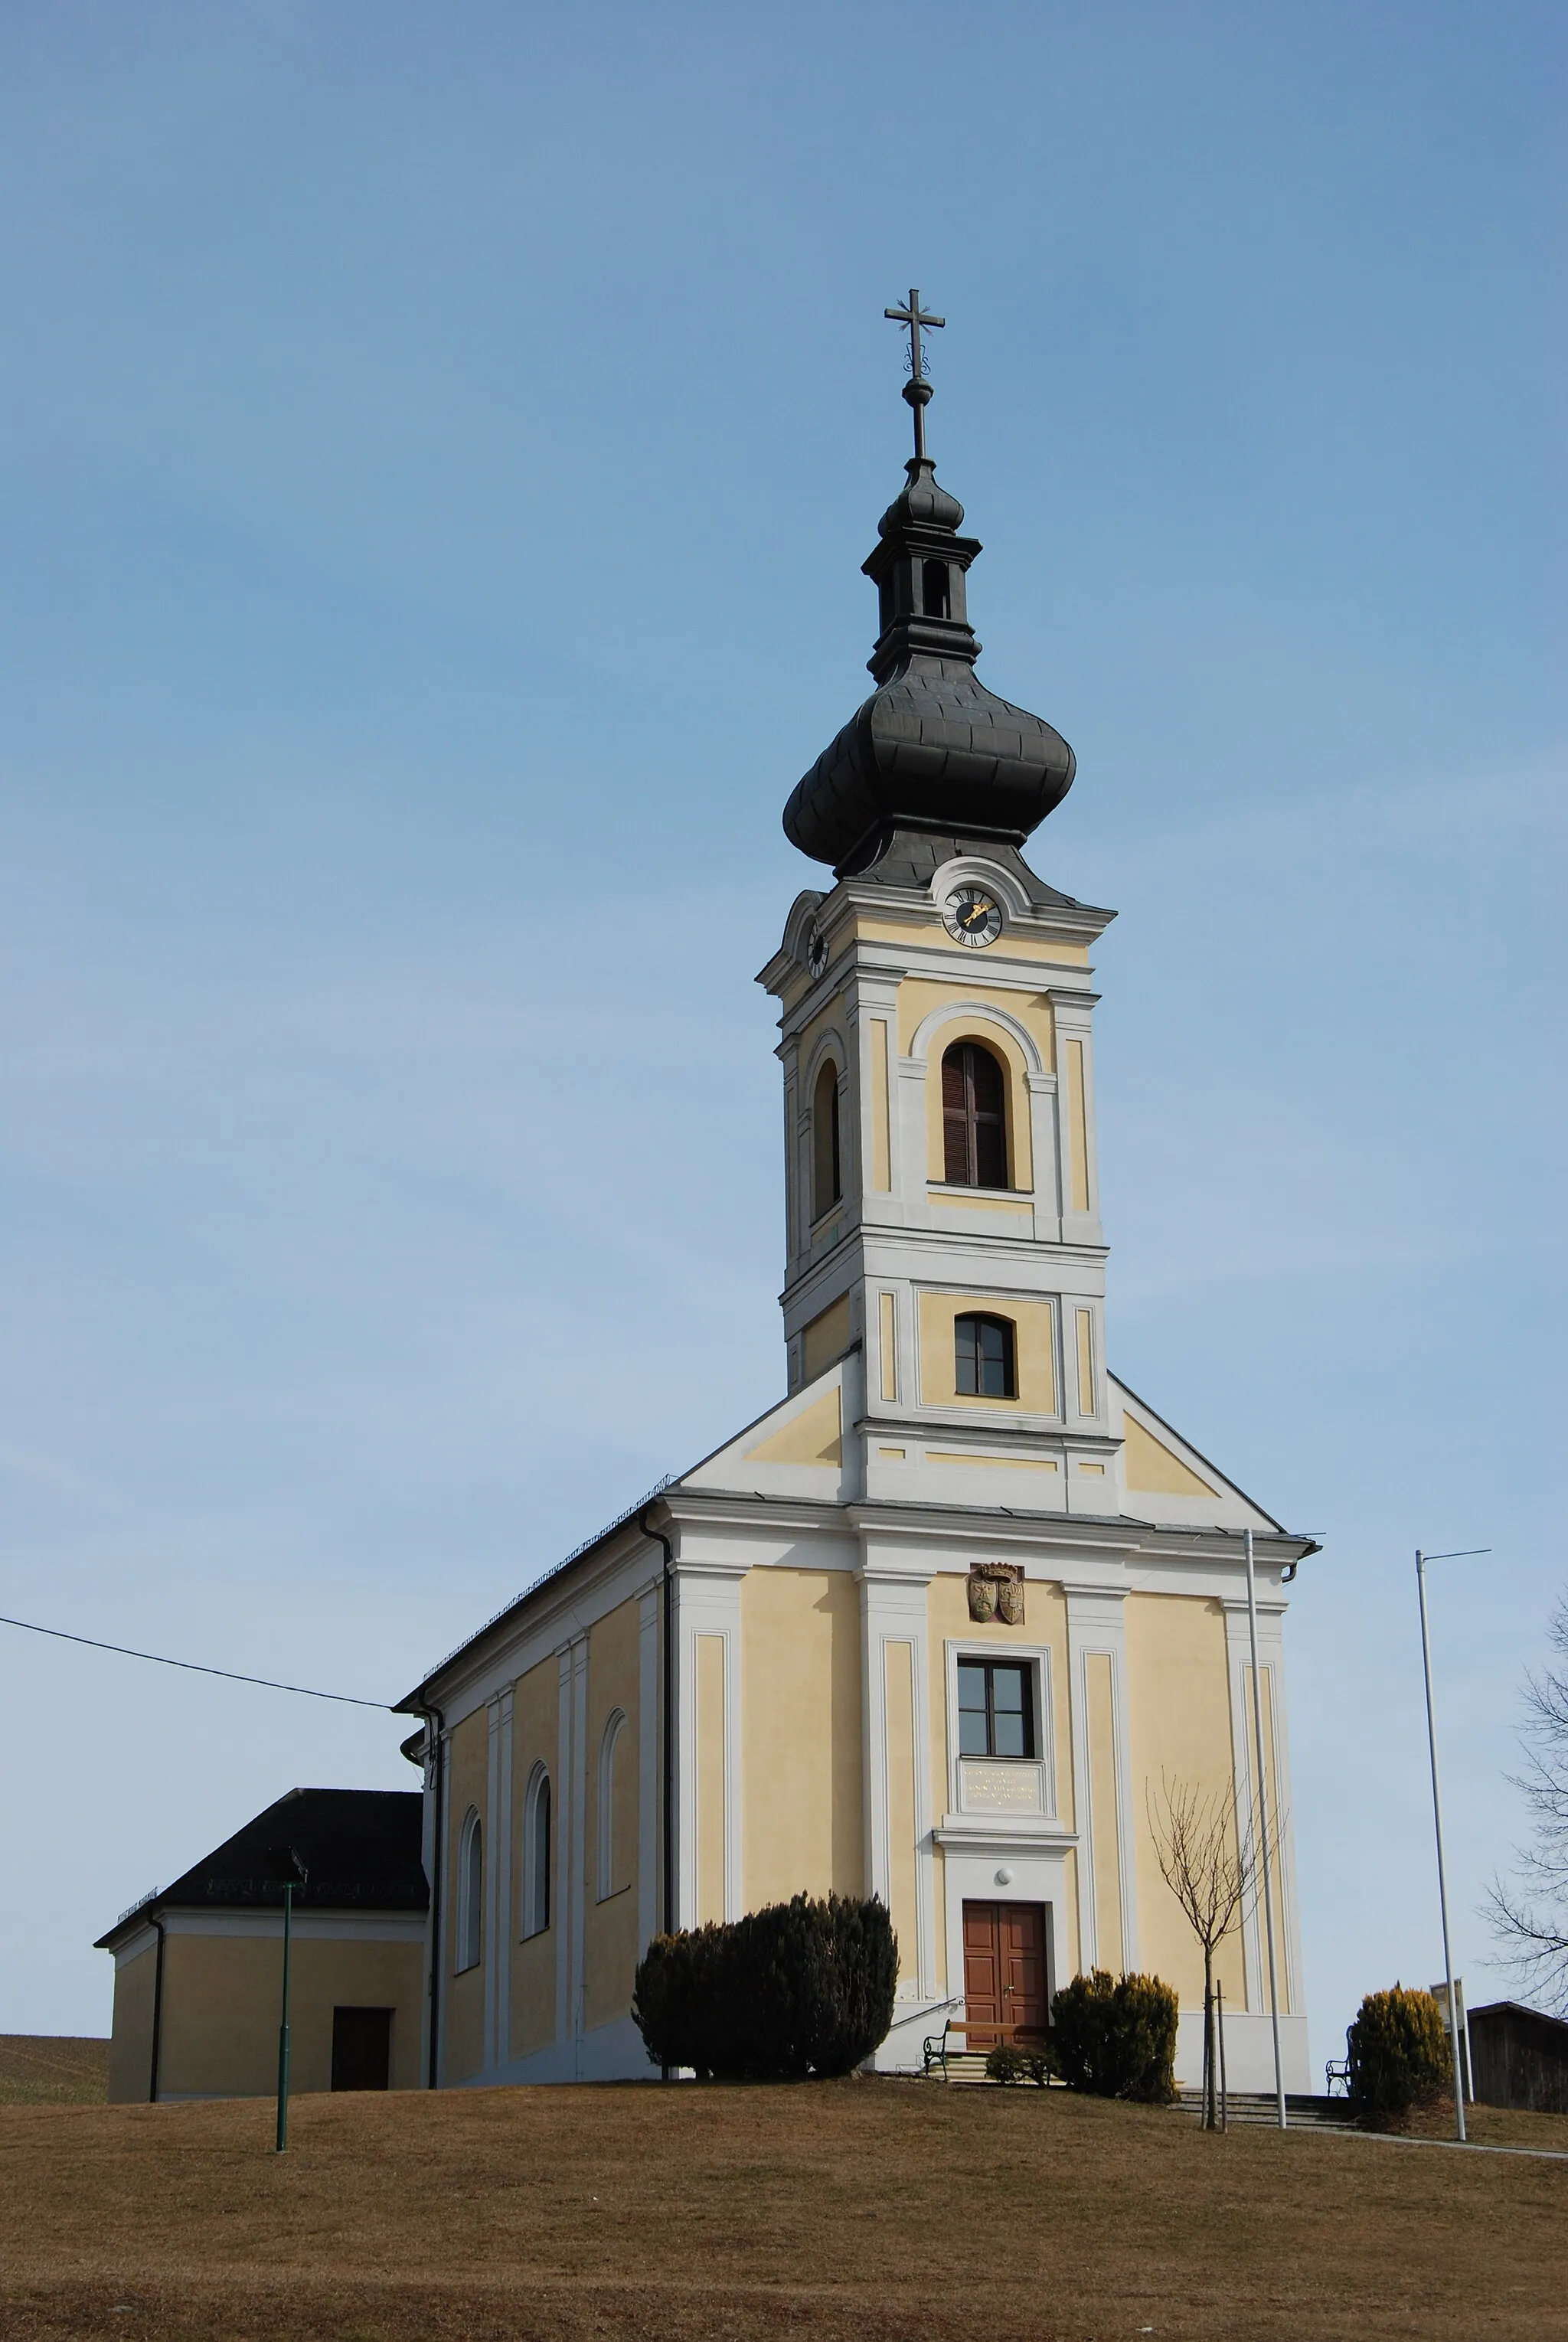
[{"x": 1303, "y": 2110}]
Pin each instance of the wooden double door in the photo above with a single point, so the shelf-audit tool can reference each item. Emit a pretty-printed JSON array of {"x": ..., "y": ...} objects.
[{"x": 1006, "y": 1977}]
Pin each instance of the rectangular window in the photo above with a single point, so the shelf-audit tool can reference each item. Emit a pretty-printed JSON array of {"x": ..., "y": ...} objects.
[
  {"x": 996, "y": 1708},
  {"x": 982, "y": 1359}
]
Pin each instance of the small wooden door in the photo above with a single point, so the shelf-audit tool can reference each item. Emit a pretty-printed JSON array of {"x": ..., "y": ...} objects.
[
  {"x": 1004, "y": 1974},
  {"x": 361, "y": 2048}
]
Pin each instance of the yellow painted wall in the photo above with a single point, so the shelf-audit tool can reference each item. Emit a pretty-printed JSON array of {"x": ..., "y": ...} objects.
[
  {"x": 881, "y": 1124},
  {"x": 1044, "y": 1625},
  {"x": 1100, "y": 1719},
  {"x": 131, "y": 2035},
  {"x": 610, "y": 1944},
  {"x": 1034, "y": 1345},
  {"x": 535, "y": 1740},
  {"x": 898, "y": 1662},
  {"x": 221, "y": 2002},
  {"x": 1077, "y": 1129},
  {"x": 1068, "y": 1936},
  {"x": 1179, "y": 1724},
  {"x": 1083, "y": 1327},
  {"x": 1152, "y": 1466},
  {"x": 815, "y": 1436},
  {"x": 888, "y": 1307},
  {"x": 826, "y": 1340},
  {"x": 995, "y": 1463},
  {"x": 1266, "y": 1818},
  {"x": 463, "y": 2022},
  {"x": 712, "y": 1818},
  {"x": 801, "y": 1734}
]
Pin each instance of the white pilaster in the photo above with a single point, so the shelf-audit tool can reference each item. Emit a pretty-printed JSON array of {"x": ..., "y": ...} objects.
[
  {"x": 893, "y": 1611},
  {"x": 498, "y": 1883},
  {"x": 648, "y": 1781},
  {"x": 579, "y": 1837},
  {"x": 1271, "y": 1662},
  {"x": 707, "y": 1601},
  {"x": 1097, "y": 1626}
]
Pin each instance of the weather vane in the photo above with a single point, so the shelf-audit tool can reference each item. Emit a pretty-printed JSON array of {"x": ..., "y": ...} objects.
[{"x": 917, "y": 389}]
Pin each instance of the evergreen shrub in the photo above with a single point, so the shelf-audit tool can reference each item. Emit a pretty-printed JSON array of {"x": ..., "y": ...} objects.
[
  {"x": 1398, "y": 2055},
  {"x": 800, "y": 1988},
  {"x": 1008, "y": 2063},
  {"x": 1116, "y": 2036}
]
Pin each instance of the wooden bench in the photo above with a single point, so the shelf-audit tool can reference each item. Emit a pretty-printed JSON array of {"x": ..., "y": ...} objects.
[
  {"x": 939, "y": 2046},
  {"x": 1336, "y": 2075}
]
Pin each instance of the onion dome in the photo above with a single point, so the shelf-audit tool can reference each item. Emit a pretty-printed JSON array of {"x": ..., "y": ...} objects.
[{"x": 932, "y": 749}]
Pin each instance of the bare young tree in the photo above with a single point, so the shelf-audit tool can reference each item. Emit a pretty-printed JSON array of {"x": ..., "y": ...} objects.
[
  {"x": 1531, "y": 1918},
  {"x": 1211, "y": 1862}
]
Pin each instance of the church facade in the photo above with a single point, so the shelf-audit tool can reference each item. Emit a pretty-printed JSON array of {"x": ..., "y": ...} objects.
[{"x": 950, "y": 1620}]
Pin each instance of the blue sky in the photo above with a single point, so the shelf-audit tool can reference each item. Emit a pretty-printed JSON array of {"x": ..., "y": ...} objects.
[{"x": 437, "y": 449}]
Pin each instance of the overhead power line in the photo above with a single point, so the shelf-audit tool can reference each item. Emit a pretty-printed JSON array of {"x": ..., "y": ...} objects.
[{"x": 194, "y": 1666}]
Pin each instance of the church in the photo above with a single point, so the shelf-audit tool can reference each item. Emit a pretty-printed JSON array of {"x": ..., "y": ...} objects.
[{"x": 942, "y": 1624}]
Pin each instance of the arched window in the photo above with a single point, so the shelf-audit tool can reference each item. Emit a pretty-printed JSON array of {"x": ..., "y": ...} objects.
[
  {"x": 982, "y": 1359},
  {"x": 933, "y": 589},
  {"x": 826, "y": 1182},
  {"x": 610, "y": 1883},
  {"x": 536, "y": 1854},
  {"x": 471, "y": 1893},
  {"x": 973, "y": 1118}
]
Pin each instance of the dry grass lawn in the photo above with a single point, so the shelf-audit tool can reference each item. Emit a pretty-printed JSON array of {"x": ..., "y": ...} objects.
[
  {"x": 53, "y": 2069},
  {"x": 865, "y": 2209}
]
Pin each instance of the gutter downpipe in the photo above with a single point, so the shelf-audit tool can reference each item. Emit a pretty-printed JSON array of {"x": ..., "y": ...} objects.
[
  {"x": 438, "y": 1791},
  {"x": 667, "y": 1751},
  {"x": 158, "y": 2017}
]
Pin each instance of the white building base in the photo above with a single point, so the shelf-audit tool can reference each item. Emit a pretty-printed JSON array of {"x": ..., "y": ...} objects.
[{"x": 1249, "y": 2052}]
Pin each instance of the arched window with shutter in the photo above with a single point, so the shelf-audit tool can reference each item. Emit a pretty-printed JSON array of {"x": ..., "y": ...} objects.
[
  {"x": 973, "y": 1118},
  {"x": 984, "y": 1363},
  {"x": 471, "y": 1893},
  {"x": 536, "y": 1913},
  {"x": 826, "y": 1175}
]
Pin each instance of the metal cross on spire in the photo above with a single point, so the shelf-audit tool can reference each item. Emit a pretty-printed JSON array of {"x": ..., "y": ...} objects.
[{"x": 916, "y": 390}]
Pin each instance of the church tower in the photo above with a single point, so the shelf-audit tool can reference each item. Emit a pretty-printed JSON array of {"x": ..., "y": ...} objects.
[
  {"x": 942, "y": 1198},
  {"x": 943, "y": 1623}
]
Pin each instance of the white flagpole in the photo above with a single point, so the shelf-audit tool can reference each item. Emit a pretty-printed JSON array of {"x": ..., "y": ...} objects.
[
  {"x": 1263, "y": 1833},
  {"x": 1420, "y": 1560}
]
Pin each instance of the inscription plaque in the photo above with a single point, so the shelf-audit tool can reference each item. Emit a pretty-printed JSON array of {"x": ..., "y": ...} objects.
[{"x": 1000, "y": 1789}]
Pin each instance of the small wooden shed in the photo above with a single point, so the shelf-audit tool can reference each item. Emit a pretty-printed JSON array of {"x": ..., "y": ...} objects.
[{"x": 1519, "y": 2057}]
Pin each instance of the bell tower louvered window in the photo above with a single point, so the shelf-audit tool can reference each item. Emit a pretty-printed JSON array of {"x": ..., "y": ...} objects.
[{"x": 974, "y": 1118}]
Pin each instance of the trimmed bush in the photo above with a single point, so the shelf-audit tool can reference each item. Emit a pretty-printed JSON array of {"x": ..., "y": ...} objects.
[
  {"x": 801, "y": 1988},
  {"x": 1007, "y": 2063},
  {"x": 1398, "y": 2054},
  {"x": 1115, "y": 2037}
]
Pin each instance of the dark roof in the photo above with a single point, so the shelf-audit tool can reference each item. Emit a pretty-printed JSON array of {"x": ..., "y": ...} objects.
[
  {"x": 912, "y": 858},
  {"x": 932, "y": 748},
  {"x": 1517, "y": 2008},
  {"x": 360, "y": 1848}
]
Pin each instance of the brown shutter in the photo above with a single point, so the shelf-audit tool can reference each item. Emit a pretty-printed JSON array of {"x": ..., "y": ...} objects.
[
  {"x": 955, "y": 1123},
  {"x": 990, "y": 1124}
]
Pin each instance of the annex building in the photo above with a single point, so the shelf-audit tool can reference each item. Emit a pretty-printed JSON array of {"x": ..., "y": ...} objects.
[{"x": 938, "y": 1624}]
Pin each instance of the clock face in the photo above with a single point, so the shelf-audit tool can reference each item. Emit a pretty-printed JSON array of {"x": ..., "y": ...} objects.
[
  {"x": 816, "y": 951},
  {"x": 973, "y": 917}
]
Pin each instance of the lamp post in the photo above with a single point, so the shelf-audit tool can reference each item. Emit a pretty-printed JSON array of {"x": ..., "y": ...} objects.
[
  {"x": 291, "y": 1872},
  {"x": 1470, "y": 1552},
  {"x": 1263, "y": 1834}
]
